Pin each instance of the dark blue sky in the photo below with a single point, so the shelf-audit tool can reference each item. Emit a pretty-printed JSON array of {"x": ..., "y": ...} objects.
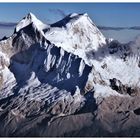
[{"x": 107, "y": 14}]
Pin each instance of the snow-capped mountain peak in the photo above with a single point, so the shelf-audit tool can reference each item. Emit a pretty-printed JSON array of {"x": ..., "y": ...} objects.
[{"x": 28, "y": 19}]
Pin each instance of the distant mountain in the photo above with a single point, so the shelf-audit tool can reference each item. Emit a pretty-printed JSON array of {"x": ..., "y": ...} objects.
[
  {"x": 119, "y": 28},
  {"x": 135, "y": 28},
  {"x": 67, "y": 79},
  {"x": 7, "y": 24}
]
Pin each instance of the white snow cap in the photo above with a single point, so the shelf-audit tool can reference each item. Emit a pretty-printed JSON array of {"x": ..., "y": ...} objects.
[{"x": 30, "y": 18}]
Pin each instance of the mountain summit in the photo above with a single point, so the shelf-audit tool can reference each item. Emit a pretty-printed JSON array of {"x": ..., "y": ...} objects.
[{"x": 28, "y": 19}]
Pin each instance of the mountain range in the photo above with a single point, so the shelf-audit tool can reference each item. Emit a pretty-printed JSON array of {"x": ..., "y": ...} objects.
[{"x": 68, "y": 79}]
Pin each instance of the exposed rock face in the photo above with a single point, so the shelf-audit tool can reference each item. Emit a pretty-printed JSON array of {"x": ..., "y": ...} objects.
[{"x": 66, "y": 79}]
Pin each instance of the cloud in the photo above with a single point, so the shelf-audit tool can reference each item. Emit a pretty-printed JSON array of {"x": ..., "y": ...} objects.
[
  {"x": 58, "y": 11},
  {"x": 135, "y": 45},
  {"x": 136, "y": 42},
  {"x": 112, "y": 28}
]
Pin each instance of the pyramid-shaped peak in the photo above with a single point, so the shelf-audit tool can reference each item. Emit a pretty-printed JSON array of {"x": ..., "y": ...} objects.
[{"x": 28, "y": 19}]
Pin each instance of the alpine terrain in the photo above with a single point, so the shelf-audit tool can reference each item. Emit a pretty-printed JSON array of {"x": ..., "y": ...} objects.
[{"x": 68, "y": 80}]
